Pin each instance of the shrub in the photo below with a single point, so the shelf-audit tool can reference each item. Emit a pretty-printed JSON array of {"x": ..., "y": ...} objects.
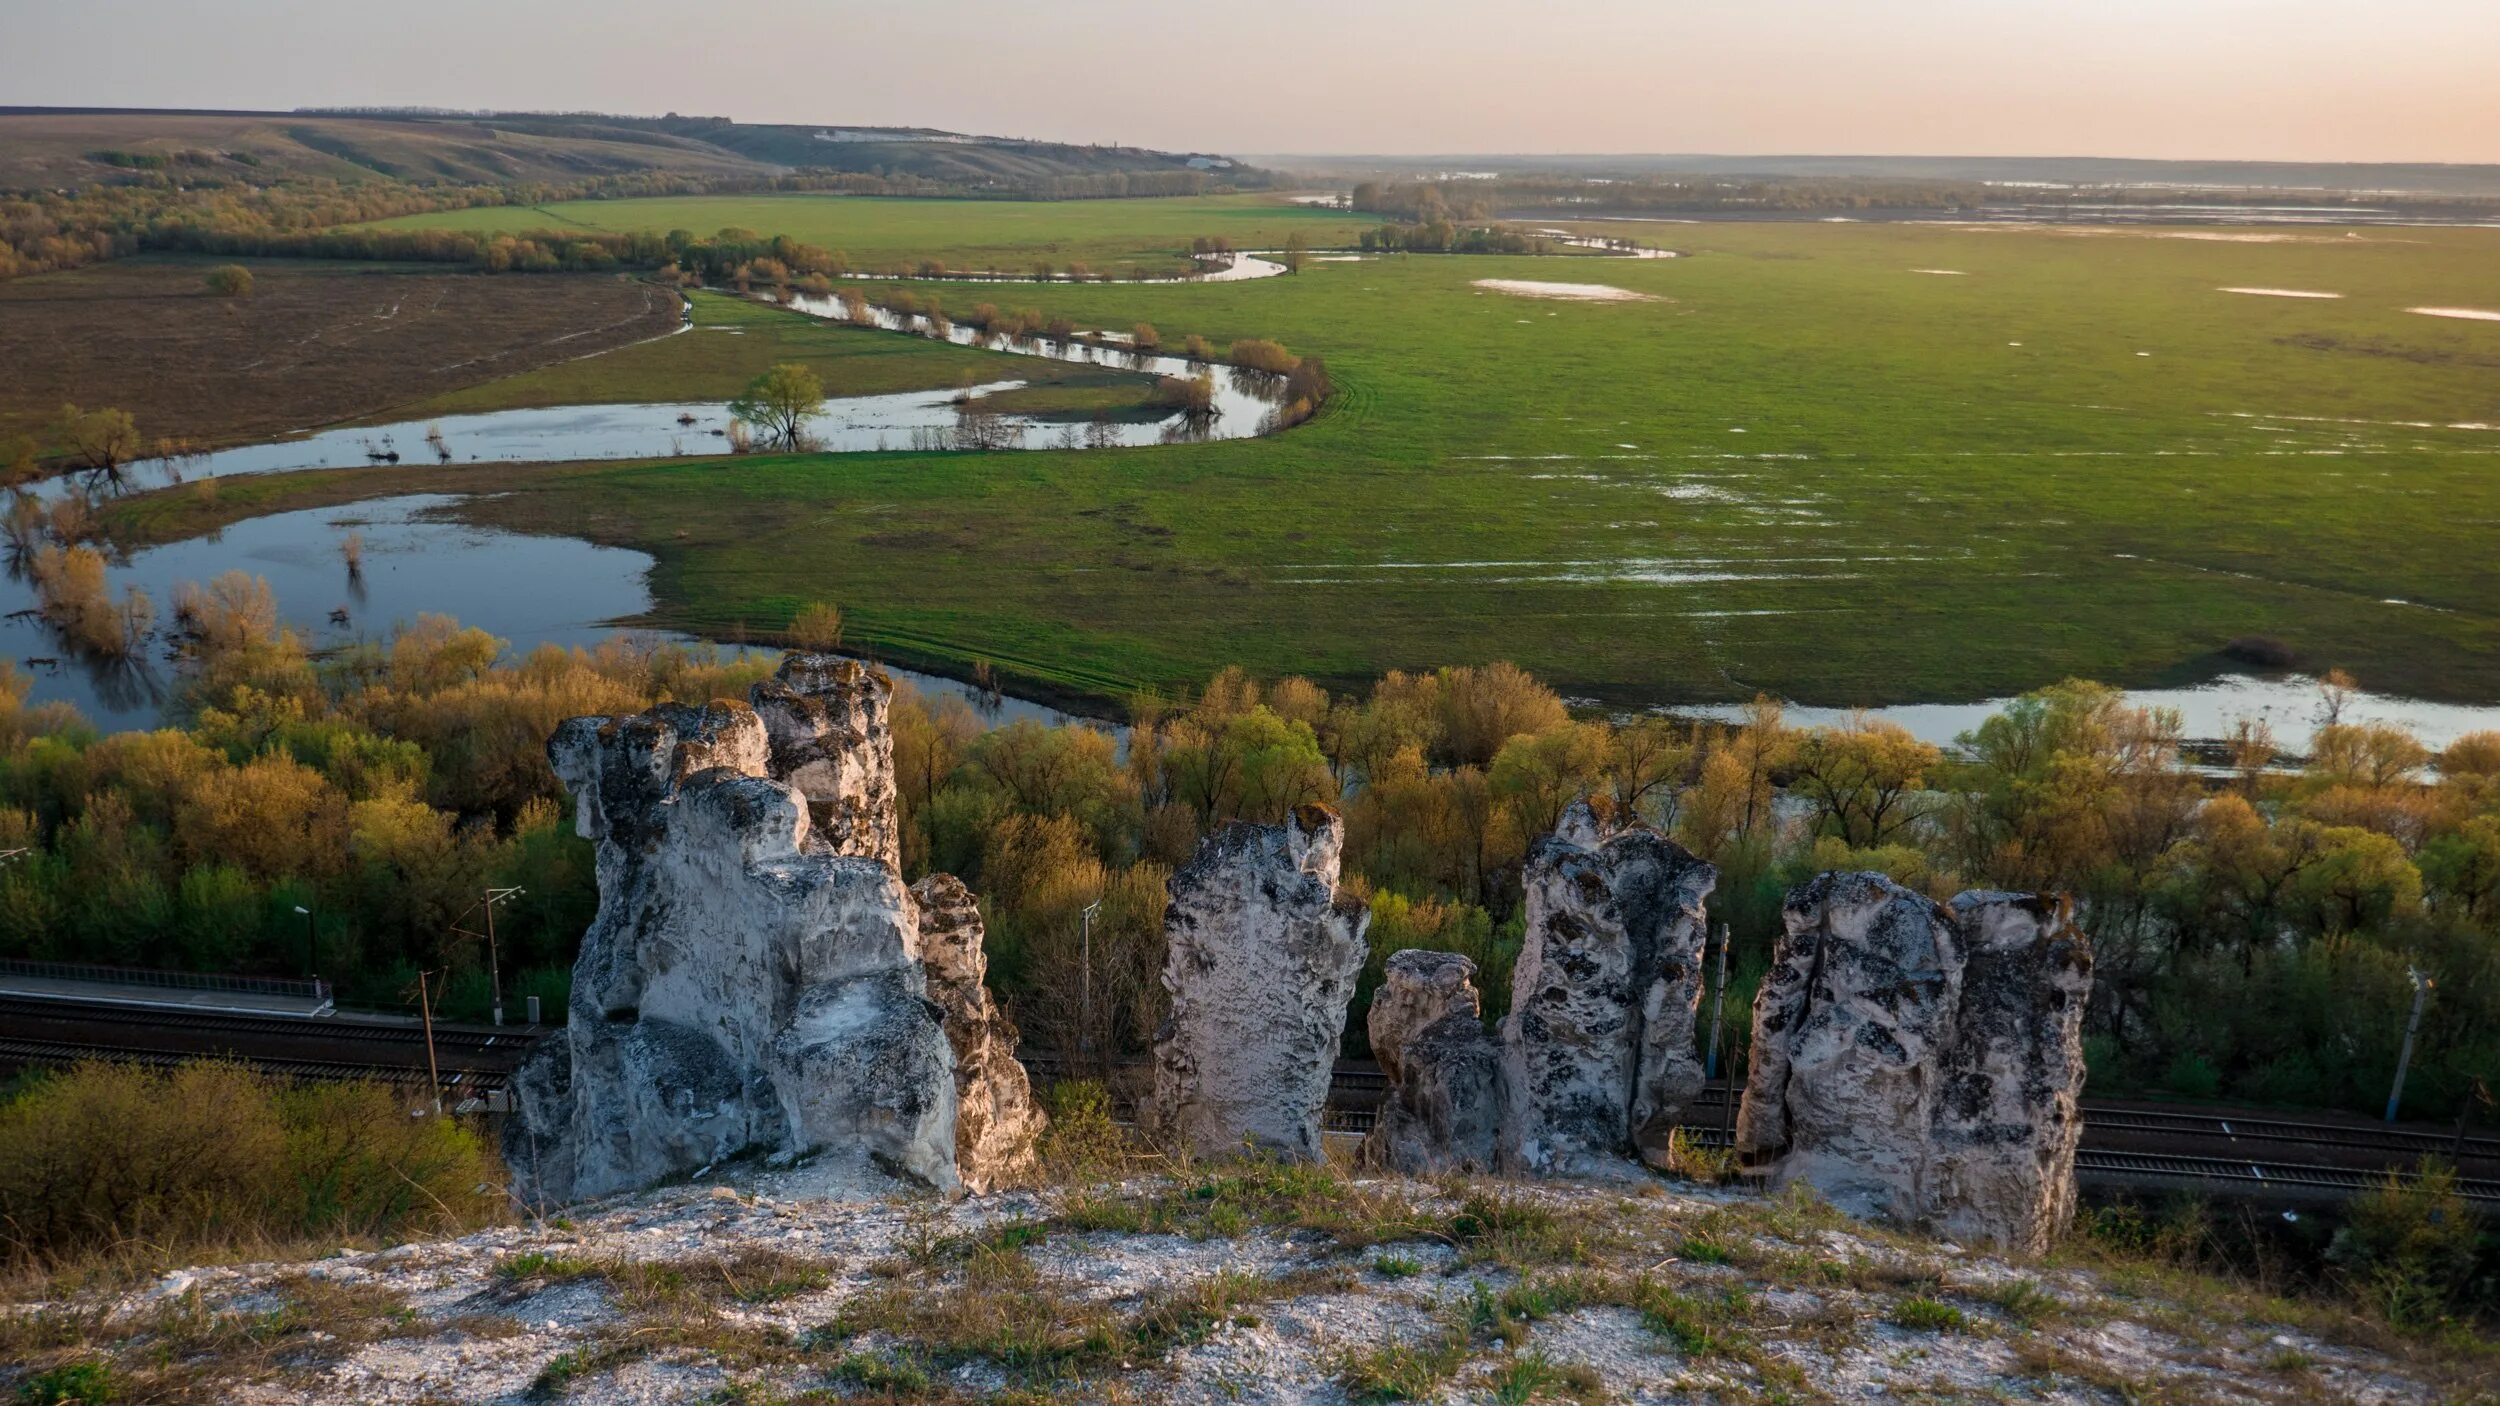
[
  {"x": 1259, "y": 354},
  {"x": 230, "y": 281},
  {"x": 817, "y": 628},
  {"x": 204, "y": 1156},
  {"x": 2408, "y": 1246}
]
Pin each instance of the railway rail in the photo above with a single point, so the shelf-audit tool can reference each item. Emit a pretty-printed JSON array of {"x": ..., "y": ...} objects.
[{"x": 2125, "y": 1145}]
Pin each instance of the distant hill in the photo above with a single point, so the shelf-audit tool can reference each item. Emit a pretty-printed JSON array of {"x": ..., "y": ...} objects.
[
  {"x": 57, "y": 147},
  {"x": 2413, "y": 178}
]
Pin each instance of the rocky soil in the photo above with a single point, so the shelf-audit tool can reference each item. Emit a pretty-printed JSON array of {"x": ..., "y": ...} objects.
[{"x": 1256, "y": 1284}]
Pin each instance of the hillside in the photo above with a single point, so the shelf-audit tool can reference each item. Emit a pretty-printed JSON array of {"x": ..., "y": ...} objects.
[
  {"x": 57, "y": 147},
  {"x": 1245, "y": 1284}
]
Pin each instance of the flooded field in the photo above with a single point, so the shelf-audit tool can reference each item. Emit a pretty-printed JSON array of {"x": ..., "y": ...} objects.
[
  {"x": 531, "y": 590},
  {"x": 528, "y": 590}
]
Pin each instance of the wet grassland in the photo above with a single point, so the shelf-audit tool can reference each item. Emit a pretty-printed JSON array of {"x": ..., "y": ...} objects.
[{"x": 1808, "y": 459}]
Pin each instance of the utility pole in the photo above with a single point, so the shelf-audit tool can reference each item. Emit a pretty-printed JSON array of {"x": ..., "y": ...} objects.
[
  {"x": 1718, "y": 999},
  {"x": 312, "y": 944},
  {"x": 2404, "y": 1058},
  {"x": 1085, "y": 1016},
  {"x": 425, "y": 1012},
  {"x": 494, "y": 965}
]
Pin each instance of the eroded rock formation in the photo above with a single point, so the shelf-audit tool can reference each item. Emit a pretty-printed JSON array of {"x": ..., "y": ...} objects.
[
  {"x": 2009, "y": 1115},
  {"x": 997, "y": 1123},
  {"x": 1261, "y": 952},
  {"x": 752, "y": 983},
  {"x": 1598, "y": 1051},
  {"x": 1922, "y": 1064},
  {"x": 1442, "y": 1110}
]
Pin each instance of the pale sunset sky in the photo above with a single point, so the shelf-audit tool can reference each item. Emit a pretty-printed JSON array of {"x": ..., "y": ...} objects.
[{"x": 2350, "y": 80}]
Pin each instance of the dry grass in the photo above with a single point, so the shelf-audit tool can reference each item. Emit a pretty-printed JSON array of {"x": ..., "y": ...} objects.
[{"x": 315, "y": 344}]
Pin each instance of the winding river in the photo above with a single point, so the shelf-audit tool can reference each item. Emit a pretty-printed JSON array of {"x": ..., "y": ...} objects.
[{"x": 535, "y": 590}]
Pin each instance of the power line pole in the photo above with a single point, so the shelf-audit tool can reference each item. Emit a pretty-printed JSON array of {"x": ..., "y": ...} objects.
[
  {"x": 2404, "y": 1058},
  {"x": 1085, "y": 1017},
  {"x": 425, "y": 1012},
  {"x": 1718, "y": 998},
  {"x": 494, "y": 965}
]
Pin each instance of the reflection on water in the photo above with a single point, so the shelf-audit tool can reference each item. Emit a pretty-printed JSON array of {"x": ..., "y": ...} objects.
[
  {"x": 1245, "y": 401},
  {"x": 525, "y": 589},
  {"x": 1245, "y": 405},
  {"x": 2288, "y": 704}
]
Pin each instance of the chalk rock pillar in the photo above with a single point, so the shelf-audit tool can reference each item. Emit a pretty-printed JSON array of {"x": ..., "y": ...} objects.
[
  {"x": 749, "y": 985},
  {"x": 1261, "y": 953},
  {"x": 1850, "y": 1027},
  {"x": 1598, "y": 1051},
  {"x": 998, "y": 1126},
  {"x": 1442, "y": 1109},
  {"x": 2008, "y": 1112}
]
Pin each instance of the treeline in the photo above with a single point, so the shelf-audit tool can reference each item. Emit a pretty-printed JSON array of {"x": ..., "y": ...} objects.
[
  {"x": 1441, "y": 236},
  {"x": 2255, "y": 925},
  {"x": 1563, "y": 196},
  {"x": 181, "y": 208},
  {"x": 342, "y": 815},
  {"x": 2254, "y": 931}
]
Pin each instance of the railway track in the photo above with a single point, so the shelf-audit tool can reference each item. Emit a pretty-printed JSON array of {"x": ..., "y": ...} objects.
[
  {"x": 2124, "y": 1144},
  {"x": 19, "y": 1011},
  {"x": 466, "y": 1082}
]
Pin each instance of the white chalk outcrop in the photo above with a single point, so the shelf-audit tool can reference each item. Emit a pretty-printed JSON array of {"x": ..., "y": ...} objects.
[
  {"x": 1261, "y": 953},
  {"x": 1442, "y": 1110},
  {"x": 998, "y": 1126},
  {"x": 1922, "y": 1064},
  {"x": 1598, "y": 1051},
  {"x": 2009, "y": 1114},
  {"x": 753, "y": 983}
]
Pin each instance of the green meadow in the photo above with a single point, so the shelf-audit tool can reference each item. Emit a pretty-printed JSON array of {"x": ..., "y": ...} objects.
[{"x": 1795, "y": 464}]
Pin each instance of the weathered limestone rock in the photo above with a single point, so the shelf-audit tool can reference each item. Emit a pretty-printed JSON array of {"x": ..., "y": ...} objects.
[
  {"x": 2009, "y": 1115},
  {"x": 1442, "y": 1111},
  {"x": 1262, "y": 949},
  {"x": 747, "y": 985},
  {"x": 997, "y": 1124},
  {"x": 827, "y": 718},
  {"x": 1849, "y": 1027},
  {"x": 1598, "y": 1050},
  {"x": 1923, "y": 1064}
]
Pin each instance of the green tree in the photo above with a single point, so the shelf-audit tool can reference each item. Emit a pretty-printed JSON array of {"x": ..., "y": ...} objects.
[
  {"x": 779, "y": 402},
  {"x": 230, "y": 281}
]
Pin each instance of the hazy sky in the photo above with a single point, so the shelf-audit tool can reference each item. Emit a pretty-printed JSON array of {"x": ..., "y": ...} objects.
[{"x": 2289, "y": 79}]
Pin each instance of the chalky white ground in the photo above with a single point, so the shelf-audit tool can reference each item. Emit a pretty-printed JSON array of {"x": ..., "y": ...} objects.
[{"x": 1287, "y": 1350}]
